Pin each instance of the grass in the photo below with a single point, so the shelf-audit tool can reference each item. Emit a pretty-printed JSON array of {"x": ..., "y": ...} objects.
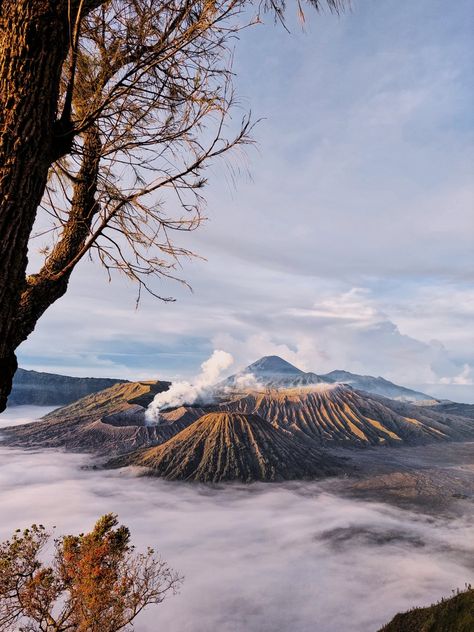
[{"x": 455, "y": 614}]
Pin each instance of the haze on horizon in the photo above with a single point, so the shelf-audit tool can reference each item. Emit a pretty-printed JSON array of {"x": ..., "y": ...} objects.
[{"x": 351, "y": 244}]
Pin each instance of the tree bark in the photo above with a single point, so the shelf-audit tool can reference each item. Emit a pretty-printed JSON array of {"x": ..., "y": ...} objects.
[
  {"x": 33, "y": 46},
  {"x": 44, "y": 288}
]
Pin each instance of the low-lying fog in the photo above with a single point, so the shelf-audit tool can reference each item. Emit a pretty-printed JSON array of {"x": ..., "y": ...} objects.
[
  {"x": 259, "y": 558},
  {"x": 17, "y": 415}
]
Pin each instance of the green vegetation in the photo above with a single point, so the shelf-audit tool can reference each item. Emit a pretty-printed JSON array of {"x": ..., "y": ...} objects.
[
  {"x": 449, "y": 615},
  {"x": 95, "y": 582}
]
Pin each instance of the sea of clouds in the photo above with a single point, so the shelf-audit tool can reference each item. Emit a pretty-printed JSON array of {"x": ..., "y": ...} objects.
[
  {"x": 258, "y": 558},
  {"x": 17, "y": 415}
]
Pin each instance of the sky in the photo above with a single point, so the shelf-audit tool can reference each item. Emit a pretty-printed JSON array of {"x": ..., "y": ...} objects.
[{"x": 347, "y": 242}]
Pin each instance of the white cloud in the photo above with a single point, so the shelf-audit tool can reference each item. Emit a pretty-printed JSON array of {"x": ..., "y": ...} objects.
[
  {"x": 464, "y": 378},
  {"x": 351, "y": 247},
  {"x": 258, "y": 558}
]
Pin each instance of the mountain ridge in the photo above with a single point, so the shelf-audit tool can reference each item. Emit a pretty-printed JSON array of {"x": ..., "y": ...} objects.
[
  {"x": 50, "y": 389},
  {"x": 110, "y": 421},
  {"x": 273, "y": 371}
]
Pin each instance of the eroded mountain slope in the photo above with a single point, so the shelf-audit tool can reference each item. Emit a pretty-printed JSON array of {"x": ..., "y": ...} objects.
[
  {"x": 338, "y": 414},
  {"x": 233, "y": 446},
  {"x": 111, "y": 421}
]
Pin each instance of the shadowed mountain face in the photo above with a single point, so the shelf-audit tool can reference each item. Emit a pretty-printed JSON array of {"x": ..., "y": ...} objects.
[
  {"x": 232, "y": 446},
  {"x": 273, "y": 371},
  {"x": 454, "y": 408},
  {"x": 49, "y": 389}
]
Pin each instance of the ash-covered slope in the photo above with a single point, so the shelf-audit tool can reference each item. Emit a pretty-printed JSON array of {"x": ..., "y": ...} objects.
[
  {"x": 48, "y": 389},
  {"x": 232, "y": 446},
  {"x": 336, "y": 414},
  {"x": 111, "y": 421},
  {"x": 454, "y": 408}
]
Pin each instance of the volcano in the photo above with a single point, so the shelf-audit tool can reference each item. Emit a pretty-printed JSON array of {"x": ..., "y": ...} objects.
[
  {"x": 325, "y": 414},
  {"x": 225, "y": 446},
  {"x": 337, "y": 414},
  {"x": 274, "y": 372},
  {"x": 110, "y": 421}
]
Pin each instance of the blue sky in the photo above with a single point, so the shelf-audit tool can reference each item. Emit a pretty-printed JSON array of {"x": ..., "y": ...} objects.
[{"x": 351, "y": 245}]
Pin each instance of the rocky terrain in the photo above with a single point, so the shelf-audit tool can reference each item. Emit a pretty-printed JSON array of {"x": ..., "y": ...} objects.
[
  {"x": 454, "y": 408},
  {"x": 338, "y": 415},
  {"x": 49, "y": 389},
  {"x": 332, "y": 415},
  {"x": 435, "y": 478},
  {"x": 111, "y": 421},
  {"x": 273, "y": 433},
  {"x": 233, "y": 446}
]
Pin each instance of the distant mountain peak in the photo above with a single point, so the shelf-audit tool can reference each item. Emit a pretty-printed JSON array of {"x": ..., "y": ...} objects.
[
  {"x": 378, "y": 386},
  {"x": 273, "y": 364}
]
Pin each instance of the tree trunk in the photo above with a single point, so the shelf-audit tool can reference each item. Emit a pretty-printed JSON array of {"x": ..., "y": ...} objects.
[
  {"x": 33, "y": 46},
  {"x": 44, "y": 288}
]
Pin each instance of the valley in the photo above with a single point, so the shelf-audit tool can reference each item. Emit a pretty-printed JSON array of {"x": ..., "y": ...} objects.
[
  {"x": 271, "y": 423},
  {"x": 348, "y": 487}
]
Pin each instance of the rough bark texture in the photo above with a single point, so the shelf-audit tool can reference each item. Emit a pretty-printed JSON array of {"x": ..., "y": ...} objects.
[
  {"x": 33, "y": 45},
  {"x": 34, "y": 42},
  {"x": 44, "y": 288}
]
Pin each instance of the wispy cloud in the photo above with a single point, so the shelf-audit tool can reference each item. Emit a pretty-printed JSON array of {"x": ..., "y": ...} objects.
[{"x": 355, "y": 229}]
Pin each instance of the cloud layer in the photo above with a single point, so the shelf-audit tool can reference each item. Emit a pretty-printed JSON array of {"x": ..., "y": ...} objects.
[
  {"x": 260, "y": 558},
  {"x": 350, "y": 247}
]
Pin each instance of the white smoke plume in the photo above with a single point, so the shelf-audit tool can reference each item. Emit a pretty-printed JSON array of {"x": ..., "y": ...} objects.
[
  {"x": 240, "y": 383},
  {"x": 189, "y": 392}
]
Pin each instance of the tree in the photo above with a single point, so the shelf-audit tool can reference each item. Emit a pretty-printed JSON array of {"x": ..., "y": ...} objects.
[
  {"x": 110, "y": 112},
  {"x": 95, "y": 582}
]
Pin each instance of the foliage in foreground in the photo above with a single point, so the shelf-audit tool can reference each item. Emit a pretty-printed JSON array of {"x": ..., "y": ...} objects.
[
  {"x": 449, "y": 615},
  {"x": 95, "y": 582}
]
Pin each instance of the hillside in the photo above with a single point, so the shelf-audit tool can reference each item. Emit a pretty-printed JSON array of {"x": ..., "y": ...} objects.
[
  {"x": 274, "y": 372},
  {"x": 111, "y": 421},
  {"x": 232, "y": 446},
  {"x": 336, "y": 414},
  {"x": 454, "y": 408},
  {"x": 48, "y": 389},
  {"x": 450, "y": 615},
  {"x": 377, "y": 386}
]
